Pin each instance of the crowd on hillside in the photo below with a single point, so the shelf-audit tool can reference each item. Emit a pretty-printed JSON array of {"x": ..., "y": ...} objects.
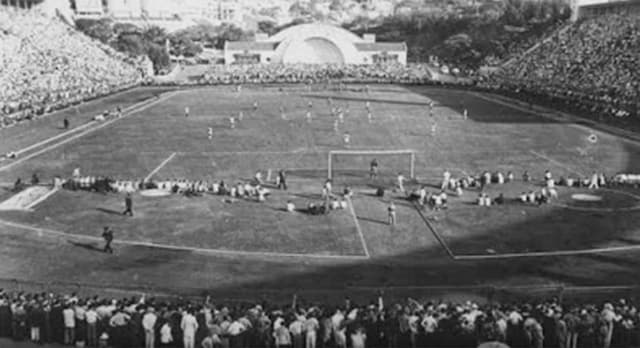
[
  {"x": 48, "y": 65},
  {"x": 304, "y": 73},
  {"x": 137, "y": 322},
  {"x": 591, "y": 68}
]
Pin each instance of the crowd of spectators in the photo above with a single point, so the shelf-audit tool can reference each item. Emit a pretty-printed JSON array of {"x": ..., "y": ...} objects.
[
  {"x": 304, "y": 73},
  {"x": 47, "y": 65},
  {"x": 591, "y": 68},
  {"x": 149, "y": 322}
]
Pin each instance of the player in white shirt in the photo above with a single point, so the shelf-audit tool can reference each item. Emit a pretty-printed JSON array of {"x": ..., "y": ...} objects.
[
  {"x": 210, "y": 132},
  {"x": 340, "y": 116},
  {"x": 446, "y": 177},
  {"x": 400, "y": 182},
  {"x": 232, "y": 122},
  {"x": 465, "y": 114},
  {"x": 186, "y": 111},
  {"x": 433, "y": 129},
  {"x": 369, "y": 117},
  {"x": 367, "y": 105},
  {"x": 239, "y": 89},
  {"x": 255, "y": 105},
  {"x": 347, "y": 138},
  {"x": 309, "y": 116},
  {"x": 336, "y": 126},
  {"x": 310, "y": 104},
  {"x": 240, "y": 116},
  {"x": 593, "y": 183}
]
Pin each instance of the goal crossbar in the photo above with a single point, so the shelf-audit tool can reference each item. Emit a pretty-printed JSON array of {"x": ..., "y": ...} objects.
[{"x": 411, "y": 153}]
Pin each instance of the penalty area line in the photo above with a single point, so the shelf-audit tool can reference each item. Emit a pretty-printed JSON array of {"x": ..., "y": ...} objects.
[
  {"x": 156, "y": 169},
  {"x": 223, "y": 252},
  {"x": 365, "y": 248},
  {"x": 557, "y": 163}
]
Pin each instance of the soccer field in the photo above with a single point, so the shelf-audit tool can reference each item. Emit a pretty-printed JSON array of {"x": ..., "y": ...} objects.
[{"x": 207, "y": 243}]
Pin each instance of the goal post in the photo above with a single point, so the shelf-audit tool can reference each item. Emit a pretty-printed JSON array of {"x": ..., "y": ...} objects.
[{"x": 356, "y": 163}]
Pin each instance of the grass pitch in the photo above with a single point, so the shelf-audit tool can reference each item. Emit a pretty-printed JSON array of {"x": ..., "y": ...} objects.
[{"x": 271, "y": 244}]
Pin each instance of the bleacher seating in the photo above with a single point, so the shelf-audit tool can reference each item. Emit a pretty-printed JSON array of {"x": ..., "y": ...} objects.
[{"x": 47, "y": 65}]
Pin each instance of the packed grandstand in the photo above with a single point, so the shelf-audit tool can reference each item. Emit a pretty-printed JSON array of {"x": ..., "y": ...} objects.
[{"x": 590, "y": 67}]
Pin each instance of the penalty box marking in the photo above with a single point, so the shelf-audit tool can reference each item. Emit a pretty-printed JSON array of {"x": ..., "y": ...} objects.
[
  {"x": 143, "y": 106},
  {"x": 365, "y": 248},
  {"x": 223, "y": 252},
  {"x": 157, "y": 169}
]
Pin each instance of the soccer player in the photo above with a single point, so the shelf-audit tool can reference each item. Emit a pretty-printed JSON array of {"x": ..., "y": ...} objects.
[
  {"x": 128, "y": 203},
  {"x": 446, "y": 176},
  {"x": 282, "y": 180},
  {"x": 240, "y": 116},
  {"x": 107, "y": 235},
  {"x": 400, "y": 182},
  {"x": 336, "y": 124},
  {"x": 239, "y": 89},
  {"x": 309, "y": 116},
  {"x": 232, "y": 122},
  {"x": 210, "y": 133},
  {"x": 434, "y": 128},
  {"x": 255, "y": 105},
  {"x": 340, "y": 116},
  {"x": 373, "y": 169},
  {"x": 392, "y": 214},
  {"x": 465, "y": 114},
  {"x": 310, "y": 104},
  {"x": 367, "y": 105},
  {"x": 283, "y": 115},
  {"x": 593, "y": 183},
  {"x": 369, "y": 117},
  {"x": 347, "y": 138},
  {"x": 65, "y": 123},
  {"x": 186, "y": 111}
]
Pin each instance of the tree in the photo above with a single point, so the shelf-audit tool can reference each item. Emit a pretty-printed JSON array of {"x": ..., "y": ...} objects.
[
  {"x": 101, "y": 29},
  {"x": 158, "y": 56},
  {"x": 268, "y": 27},
  {"x": 131, "y": 43},
  {"x": 155, "y": 34},
  {"x": 183, "y": 45}
]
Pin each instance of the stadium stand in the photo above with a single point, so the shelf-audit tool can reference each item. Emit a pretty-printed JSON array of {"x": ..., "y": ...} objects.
[
  {"x": 591, "y": 69},
  {"x": 48, "y": 65},
  {"x": 68, "y": 319},
  {"x": 300, "y": 73}
]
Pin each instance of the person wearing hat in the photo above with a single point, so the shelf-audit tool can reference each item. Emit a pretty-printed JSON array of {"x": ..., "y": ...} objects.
[{"x": 148, "y": 324}]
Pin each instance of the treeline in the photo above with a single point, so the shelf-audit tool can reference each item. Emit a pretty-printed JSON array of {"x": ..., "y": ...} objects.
[
  {"x": 472, "y": 36},
  {"x": 156, "y": 43}
]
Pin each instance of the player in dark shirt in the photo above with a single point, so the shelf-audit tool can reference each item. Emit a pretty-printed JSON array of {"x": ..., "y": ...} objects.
[
  {"x": 128, "y": 202},
  {"x": 107, "y": 234},
  {"x": 373, "y": 170}
]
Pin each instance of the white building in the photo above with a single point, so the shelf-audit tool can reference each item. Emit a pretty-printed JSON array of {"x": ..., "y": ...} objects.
[{"x": 315, "y": 44}]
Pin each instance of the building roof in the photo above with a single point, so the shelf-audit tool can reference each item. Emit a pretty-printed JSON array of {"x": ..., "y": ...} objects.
[
  {"x": 250, "y": 46},
  {"x": 381, "y": 46}
]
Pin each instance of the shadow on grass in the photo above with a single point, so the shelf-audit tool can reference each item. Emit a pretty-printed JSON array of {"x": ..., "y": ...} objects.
[
  {"x": 109, "y": 211},
  {"x": 88, "y": 246}
]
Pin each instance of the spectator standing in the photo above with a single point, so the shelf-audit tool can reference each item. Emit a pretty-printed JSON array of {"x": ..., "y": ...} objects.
[
  {"x": 92, "y": 326},
  {"x": 148, "y": 324},
  {"x": 69, "y": 325},
  {"x": 189, "y": 326},
  {"x": 311, "y": 326}
]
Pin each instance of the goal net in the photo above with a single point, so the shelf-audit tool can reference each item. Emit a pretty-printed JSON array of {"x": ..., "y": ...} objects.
[{"x": 354, "y": 167}]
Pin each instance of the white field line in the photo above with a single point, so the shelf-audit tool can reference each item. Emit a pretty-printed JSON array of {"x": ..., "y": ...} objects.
[
  {"x": 42, "y": 199},
  {"x": 183, "y": 248},
  {"x": 547, "y": 253},
  {"x": 61, "y": 135},
  {"x": 76, "y": 136},
  {"x": 557, "y": 163},
  {"x": 357, "y": 223},
  {"x": 164, "y": 163}
]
